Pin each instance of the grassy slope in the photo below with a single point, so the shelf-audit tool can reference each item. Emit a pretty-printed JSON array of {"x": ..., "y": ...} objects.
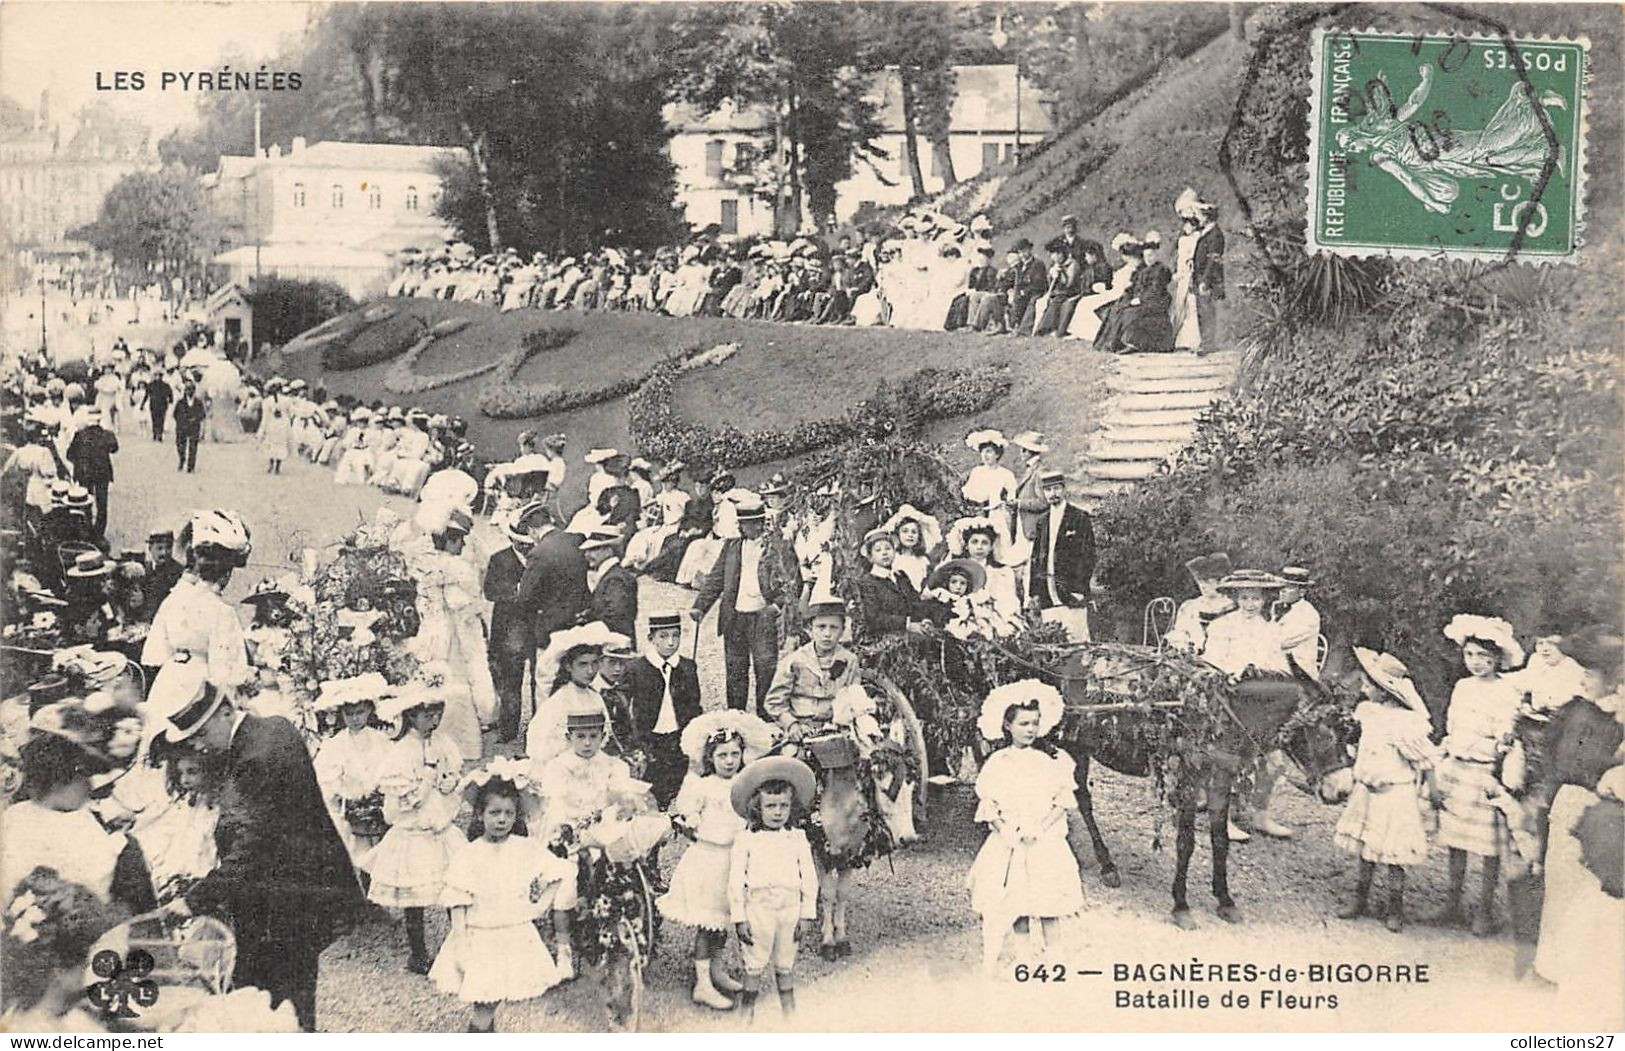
[{"x": 782, "y": 375}]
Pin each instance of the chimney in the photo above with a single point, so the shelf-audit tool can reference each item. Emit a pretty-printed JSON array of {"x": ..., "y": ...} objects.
[{"x": 298, "y": 145}]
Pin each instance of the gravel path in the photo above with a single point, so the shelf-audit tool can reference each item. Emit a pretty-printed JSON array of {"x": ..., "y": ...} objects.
[{"x": 915, "y": 941}]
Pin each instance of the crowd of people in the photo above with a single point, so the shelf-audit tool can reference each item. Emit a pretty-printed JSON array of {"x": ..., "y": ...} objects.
[
  {"x": 930, "y": 272},
  {"x": 548, "y": 735}
]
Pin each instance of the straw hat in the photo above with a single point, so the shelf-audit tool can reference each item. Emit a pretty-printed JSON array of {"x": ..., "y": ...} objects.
[
  {"x": 1297, "y": 577},
  {"x": 1243, "y": 579},
  {"x": 368, "y": 687},
  {"x": 930, "y": 528},
  {"x": 773, "y": 768},
  {"x": 88, "y": 565},
  {"x": 1390, "y": 673},
  {"x": 939, "y": 576},
  {"x": 601, "y": 455},
  {"x": 977, "y": 439},
  {"x": 991, "y": 721},
  {"x": 1032, "y": 441}
]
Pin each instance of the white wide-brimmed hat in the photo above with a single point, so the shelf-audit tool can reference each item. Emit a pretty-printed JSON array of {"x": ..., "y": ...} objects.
[
  {"x": 1025, "y": 692},
  {"x": 1493, "y": 630},
  {"x": 1391, "y": 675},
  {"x": 757, "y": 733},
  {"x": 930, "y": 528},
  {"x": 988, "y": 436},
  {"x": 596, "y": 634},
  {"x": 370, "y": 687}
]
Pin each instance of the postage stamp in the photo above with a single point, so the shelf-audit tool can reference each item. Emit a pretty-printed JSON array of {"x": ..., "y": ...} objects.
[{"x": 1448, "y": 145}]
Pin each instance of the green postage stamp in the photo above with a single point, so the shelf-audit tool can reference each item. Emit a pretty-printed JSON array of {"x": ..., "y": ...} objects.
[{"x": 1430, "y": 146}]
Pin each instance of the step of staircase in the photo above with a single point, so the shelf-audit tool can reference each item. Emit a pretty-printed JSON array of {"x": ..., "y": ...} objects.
[
  {"x": 1130, "y": 384},
  {"x": 1179, "y": 433},
  {"x": 1142, "y": 362},
  {"x": 1123, "y": 471},
  {"x": 1100, "y": 490},
  {"x": 1152, "y": 417},
  {"x": 1163, "y": 372},
  {"x": 1167, "y": 401},
  {"x": 1115, "y": 449}
]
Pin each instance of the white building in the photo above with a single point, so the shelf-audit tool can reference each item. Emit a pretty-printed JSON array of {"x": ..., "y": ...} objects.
[
  {"x": 716, "y": 154},
  {"x": 333, "y": 211}
]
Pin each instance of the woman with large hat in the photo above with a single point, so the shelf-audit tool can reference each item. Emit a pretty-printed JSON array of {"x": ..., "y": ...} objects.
[
  {"x": 1245, "y": 637},
  {"x": 451, "y": 627},
  {"x": 195, "y": 623}
]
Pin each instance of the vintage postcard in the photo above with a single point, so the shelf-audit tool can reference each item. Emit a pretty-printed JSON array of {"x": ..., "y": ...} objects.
[{"x": 801, "y": 517}]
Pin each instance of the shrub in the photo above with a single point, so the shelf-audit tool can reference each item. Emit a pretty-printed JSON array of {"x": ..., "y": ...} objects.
[
  {"x": 283, "y": 308},
  {"x": 402, "y": 378},
  {"x": 504, "y": 398},
  {"x": 375, "y": 344}
]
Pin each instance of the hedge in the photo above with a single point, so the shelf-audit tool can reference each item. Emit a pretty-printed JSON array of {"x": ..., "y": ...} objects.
[
  {"x": 372, "y": 344},
  {"x": 894, "y": 410}
]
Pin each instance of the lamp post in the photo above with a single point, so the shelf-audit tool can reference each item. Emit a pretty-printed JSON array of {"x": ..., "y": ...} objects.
[
  {"x": 44, "y": 344},
  {"x": 1000, "y": 40}
]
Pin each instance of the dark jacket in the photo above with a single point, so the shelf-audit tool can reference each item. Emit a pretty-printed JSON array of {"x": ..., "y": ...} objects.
[
  {"x": 860, "y": 277},
  {"x": 553, "y": 591},
  {"x": 161, "y": 580},
  {"x": 888, "y": 605},
  {"x": 615, "y": 601},
  {"x": 91, "y": 453},
  {"x": 284, "y": 878},
  {"x": 1074, "y": 559},
  {"x": 188, "y": 416},
  {"x": 644, "y": 687},
  {"x": 512, "y": 631},
  {"x": 1207, "y": 264},
  {"x": 723, "y": 582},
  {"x": 984, "y": 279},
  {"x": 619, "y": 505},
  {"x": 1029, "y": 277},
  {"x": 159, "y": 395}
]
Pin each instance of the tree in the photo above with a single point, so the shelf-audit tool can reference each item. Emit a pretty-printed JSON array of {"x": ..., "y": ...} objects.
[
  {"x": 921, "y": 42},
  {"x": 154, "y": 221}
]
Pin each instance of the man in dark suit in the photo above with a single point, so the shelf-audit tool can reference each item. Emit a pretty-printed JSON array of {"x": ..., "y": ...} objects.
[
  {"x": 189, "y": 413},
  {"x": 663, "y": 690},
  {"x": 91, "y": 453},
  {"x": 158, "y": 394},
  {"x": 1063, "y": 560},
  {"x": 614, "y": 587},
  {"x": 553, "y": 592},
  {"x": 163, "y": 572},
  {"x": 890, "y": 603},
  {"x": 284, "y": 879},
  {"x": 749, "y": 590},
  {"x": 1207, "y": 275},
  {"x": 1089, "y": 256},
  {"x": 513, "y": 634},
  {"x": 1028, "y": 280}
]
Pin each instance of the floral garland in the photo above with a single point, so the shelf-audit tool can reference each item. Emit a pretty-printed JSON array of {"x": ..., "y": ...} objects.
[
  {"x": 386, "y": 340},
  {"x": 895, "y": 409},
  {"x": 402, "y": 377}
]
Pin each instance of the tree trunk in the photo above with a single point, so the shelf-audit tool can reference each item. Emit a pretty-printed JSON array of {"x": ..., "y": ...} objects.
[
  {"x": 369, "y": 90},
  {"x": 482, "y": 168},
  {"x": 793, "y": 211},
  {"x": 941, "y": 149},
  {"x": 911, "y": 139}
]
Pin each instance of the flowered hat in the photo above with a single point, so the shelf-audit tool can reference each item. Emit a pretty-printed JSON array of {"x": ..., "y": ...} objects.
[
  {"x": 601, "y": 455},
  {"x": 1025, "y": 693},
  {"x": 773, "y": 768},
  {"x": 503, "y": 768},
  {"x": 369, "y": 687},
  {"x": 978, "y": 524},
  {"x": 221, "y": 528},
  {"x": 434, "y": 684},
  {"x": 987, "y": 436},
  {"x": 930, "y": 528},
  {"x": 1493, "y": 630},
  {"x": 596, "y": 635},
  {"x": 1391, "y": 675},
  {"x": 106, "y": 731},
  {"x": 267, "y": 590},
  {"x": 722, "y": 723}
]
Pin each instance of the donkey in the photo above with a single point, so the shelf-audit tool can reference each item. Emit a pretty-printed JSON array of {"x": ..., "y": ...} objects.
[{"x": 1247, "y": 725}]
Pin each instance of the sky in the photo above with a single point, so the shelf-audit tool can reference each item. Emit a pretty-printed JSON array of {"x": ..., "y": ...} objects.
[{"x": 63, "y": 44}]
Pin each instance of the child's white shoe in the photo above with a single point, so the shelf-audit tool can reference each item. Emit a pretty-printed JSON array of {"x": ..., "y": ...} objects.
[
  {"x": 567, "y": 964},
  {"x": 705, "y": 992}
]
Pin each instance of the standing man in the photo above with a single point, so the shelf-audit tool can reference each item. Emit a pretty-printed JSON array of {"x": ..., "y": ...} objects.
[
  {"x": 748, "y": 618},
  {"x": 553, "y": 592},
  {"x": 91, "y": 453},
  {"x": 1063, "y": 560},
  {"x": 157, "y": 393},
  {"x": 513, "y": 635},
  {"x": 163, "y": 571},
  {"x": 284, "y": 878},
  {"x": 614, "y": 587},
  {"x": 189, "y": 414},
  {"x": 1299, "y": 624}
]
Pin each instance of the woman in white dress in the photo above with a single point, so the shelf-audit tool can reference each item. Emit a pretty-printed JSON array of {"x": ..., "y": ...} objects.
[
  {"x": 451, "y": 629},
  {"x": 982, "y": 540},
  {"x": 195, "y": 626},
  {"x": 1086, "y": 318}
]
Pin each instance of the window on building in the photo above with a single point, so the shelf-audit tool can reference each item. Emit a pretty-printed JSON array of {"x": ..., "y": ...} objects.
[
  {"x": 298, "y": 195},
  {"x": 411, "y": 198},
  {"x": 375, "y": 198},
  {"x": 990, "y": 155},
  {"x": 730, "y": 217},
  {"x": 713, "y": 159},
  {"x": 338, "y": 196},
  {"x": 745, "y": 156}
]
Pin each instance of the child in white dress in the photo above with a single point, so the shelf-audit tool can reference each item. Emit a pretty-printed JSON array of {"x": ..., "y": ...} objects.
[
  {"x": 716, "y": 746},
  {"x": 1387, "y": 817},
  {"x": 350, "y": 765},
  {"x": 772, "y": 879},
  {"x": 495, "y": 887},
  {"x": 1479, "y": 727},
  {"x": 990, "y": 486},
  {"x": 420, "y": 785},
  {"x": 177, "y": 840},
  {"x": 1026, "y": 870}
]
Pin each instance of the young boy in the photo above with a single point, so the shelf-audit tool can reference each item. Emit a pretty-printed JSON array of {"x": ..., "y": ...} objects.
[
  {"x": 582, "y": 786},
  {"x": 663, "y": 691},
  {"x": 772, "y": 881},
  {"x": 801, "y": 699}
]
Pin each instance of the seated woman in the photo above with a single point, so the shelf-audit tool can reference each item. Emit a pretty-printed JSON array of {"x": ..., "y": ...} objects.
[
  {"x": 1139, "y": 321},
  {"x": 1087, "y": 315},
  {"x": 979, "y": 540}
]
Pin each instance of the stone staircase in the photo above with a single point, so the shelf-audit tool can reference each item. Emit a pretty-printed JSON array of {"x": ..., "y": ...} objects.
[{"x": 1152, "y": 415}]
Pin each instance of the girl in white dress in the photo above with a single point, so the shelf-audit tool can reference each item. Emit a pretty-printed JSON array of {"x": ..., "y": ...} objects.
[
  {"x": 178, "y": 839},
  {"x": 1478, "y": 732},
  {"x": 918, "y": 537},
  {"x": 1025, "y": 872},
  {"x": 451, "y": 629},
  {"x": 982, "y": 540},
  {"x": 356, "y": 460},
  {"x": 717, "y": 745},
  {"x": 350, "y": 765},
  {"x": 420, "y": 784},
  {"x": 496, "y": 886},
  {"x": 1387, "y": 819}
]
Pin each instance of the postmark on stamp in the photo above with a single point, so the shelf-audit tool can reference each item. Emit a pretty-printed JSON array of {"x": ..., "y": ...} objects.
[{"x": 1447, "y": 145}]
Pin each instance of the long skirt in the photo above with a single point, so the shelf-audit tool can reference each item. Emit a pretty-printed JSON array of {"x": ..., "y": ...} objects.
[
  {"x": 1470, "y": 821},
  {"x": 1385, "y": 824},
  {"x": 1086, "y": 315}
]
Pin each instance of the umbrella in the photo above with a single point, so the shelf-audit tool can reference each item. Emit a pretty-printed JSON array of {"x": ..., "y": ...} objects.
[{"x": 220, "y": 378}]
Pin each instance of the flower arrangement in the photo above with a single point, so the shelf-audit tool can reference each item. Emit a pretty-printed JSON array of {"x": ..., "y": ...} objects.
[{"x": 401, "y": 377}]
